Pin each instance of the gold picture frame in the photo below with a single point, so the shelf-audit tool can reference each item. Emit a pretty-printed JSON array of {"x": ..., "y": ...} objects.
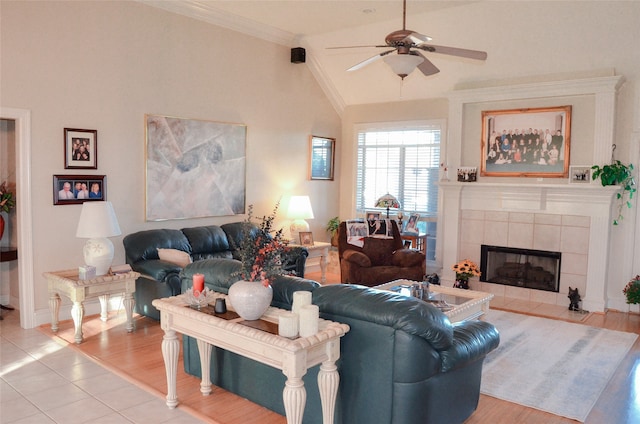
[
  {"x": 321, "y": 158},
  {"x": 533, "y": 142}
]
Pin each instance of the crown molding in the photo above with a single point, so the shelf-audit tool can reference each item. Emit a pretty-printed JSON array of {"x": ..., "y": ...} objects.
[{"x": 204, "y": 11}]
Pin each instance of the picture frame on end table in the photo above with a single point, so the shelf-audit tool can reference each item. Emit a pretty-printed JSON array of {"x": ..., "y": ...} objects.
[
  {"x": 306, "y": 238},
  {"x": 77, "y": 189},
  {"x": 531, "y": 142},
  {"x": 80, "y": 149}
]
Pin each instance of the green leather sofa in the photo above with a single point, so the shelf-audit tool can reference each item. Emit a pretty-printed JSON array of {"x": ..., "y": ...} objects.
[{"x": 402, "y": 362}]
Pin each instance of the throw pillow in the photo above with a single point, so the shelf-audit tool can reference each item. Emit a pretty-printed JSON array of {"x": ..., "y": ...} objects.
[{"x": 175, "y": 256}]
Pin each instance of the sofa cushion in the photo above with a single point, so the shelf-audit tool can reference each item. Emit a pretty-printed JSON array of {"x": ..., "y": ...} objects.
[
  {"x": 143, "y": 245},
  {"x": 208, "y": 242},
  {"x": 219, "y": 273},
  {"x": 175, "y": 256}
]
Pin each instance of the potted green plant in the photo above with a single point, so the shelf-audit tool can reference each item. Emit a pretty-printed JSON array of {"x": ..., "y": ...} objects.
[
  {"x": 632, "y": 290},
  {"x": 332, "y": 229},
  {"x": 621, "y": 175}
]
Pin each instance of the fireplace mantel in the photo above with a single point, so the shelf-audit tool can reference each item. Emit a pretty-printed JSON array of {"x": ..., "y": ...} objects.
[{"x": 592, "y": 201}]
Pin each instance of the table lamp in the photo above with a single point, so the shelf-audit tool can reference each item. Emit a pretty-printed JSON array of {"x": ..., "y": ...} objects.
[
  {"x": 387, "y": 201},
  {"x": 299, "y": 210},
  {"x": 97, "y": 222}
]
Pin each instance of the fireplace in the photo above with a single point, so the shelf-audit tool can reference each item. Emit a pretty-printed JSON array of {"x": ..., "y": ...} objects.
[{"x": 526, "y": 268}]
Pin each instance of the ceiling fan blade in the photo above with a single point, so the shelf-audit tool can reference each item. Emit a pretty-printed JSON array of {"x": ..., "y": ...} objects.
[
  {"x": 370, "y": 60},
  {"x": 417, "y": 38},
  {"x": 426, "y": 67},
  {"x": 454, "y": 51},
  {"x": 355, "y": 47}
]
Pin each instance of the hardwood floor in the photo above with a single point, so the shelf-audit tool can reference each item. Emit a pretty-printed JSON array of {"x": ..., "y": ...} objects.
[{"x": 138, "y": 354}]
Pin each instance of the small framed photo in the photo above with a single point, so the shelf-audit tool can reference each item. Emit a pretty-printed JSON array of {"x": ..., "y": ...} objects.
[
  {"x": 306, "y": 238},
  {"x": 467, "y": 174},
  {"x": 373, "y": 216},
  {"x": 579, "y": 174},
  {"x": 80, "y": 149},
  {"x": 412, "y": 224},
  {"x": 76, "y": 189},
  {"x": 321, "y": 158}
]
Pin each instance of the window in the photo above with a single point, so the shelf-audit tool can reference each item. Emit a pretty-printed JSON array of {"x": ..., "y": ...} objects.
[{"x": 402, "y": 159}]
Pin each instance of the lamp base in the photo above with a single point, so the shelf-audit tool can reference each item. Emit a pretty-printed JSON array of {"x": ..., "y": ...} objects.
[
  {"x": 98, "y": 252},
  {"x": 298, "y": 226}
]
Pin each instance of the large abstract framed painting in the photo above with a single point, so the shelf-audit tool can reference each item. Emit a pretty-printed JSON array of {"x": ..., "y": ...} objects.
[
  {"x": 526, "y": 142},
  {"x": 194, "y": 168}
]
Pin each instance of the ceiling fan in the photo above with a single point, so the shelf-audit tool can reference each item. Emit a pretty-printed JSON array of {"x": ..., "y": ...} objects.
[{"x": 407, "y": 44}]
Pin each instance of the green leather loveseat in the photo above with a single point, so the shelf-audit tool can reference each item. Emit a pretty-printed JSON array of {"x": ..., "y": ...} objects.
[
  {"x": 161, "y": 278},
  {"x": 402, "y": 362}
]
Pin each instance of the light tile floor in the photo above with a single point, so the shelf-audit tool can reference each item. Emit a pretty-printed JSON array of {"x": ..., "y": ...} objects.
[{"x": 42, "y": 381}]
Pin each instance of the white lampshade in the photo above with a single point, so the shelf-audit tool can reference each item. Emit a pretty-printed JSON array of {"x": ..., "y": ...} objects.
[
  {"x": 97, "y": 222},
  {"x": 299, "y": 210},
  {"x": 403, "y": 64}
]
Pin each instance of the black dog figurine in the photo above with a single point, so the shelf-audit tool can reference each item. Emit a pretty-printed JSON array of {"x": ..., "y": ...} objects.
[{"x": 574, "y": 299}]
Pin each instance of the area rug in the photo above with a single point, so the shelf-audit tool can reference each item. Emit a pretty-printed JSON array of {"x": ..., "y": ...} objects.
[{"x": 552, "y": 365}]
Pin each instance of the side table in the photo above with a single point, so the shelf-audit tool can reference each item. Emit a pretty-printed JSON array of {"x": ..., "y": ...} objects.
[
  {"x": 7, "y": 254},
  {"x": 418, "y": 241},
  {"x": 292, "y": 357},
  {"x": 320, "y": 249},
  {"x": 70, "y": 285}
]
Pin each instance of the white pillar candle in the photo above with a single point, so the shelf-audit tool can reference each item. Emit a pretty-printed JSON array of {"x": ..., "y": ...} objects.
[
  {"x": 300, "y": 298},
  {"x": 309, "y": 315},
  {"x": 288, "y": 325}
]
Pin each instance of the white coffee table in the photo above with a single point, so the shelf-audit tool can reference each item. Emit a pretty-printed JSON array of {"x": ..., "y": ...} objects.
[{"x": 465, "y": 304}]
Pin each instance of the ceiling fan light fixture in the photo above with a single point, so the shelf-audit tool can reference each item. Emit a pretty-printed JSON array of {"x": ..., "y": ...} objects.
[{"x": 403, "y": 64}]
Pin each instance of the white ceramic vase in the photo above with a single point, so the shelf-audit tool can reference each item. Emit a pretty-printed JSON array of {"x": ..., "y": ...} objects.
[{"x": 250, "y": 299}]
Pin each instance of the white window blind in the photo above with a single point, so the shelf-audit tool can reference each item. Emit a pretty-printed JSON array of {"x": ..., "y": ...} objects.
[{"x": 403, "y": 161}]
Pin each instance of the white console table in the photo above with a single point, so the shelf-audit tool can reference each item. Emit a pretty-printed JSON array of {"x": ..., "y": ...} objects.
[
  {"x": 69, "y": 284},
  {"x": 293, "y": 357}
]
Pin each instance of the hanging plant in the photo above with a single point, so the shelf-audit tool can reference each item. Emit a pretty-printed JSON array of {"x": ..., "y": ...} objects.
[{"x": 621, "y": 175}]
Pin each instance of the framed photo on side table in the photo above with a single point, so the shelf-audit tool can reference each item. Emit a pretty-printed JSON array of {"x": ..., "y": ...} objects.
[
  {"x": 532, "y": 142},
  {"x": 306, "y": 238},
  {"x": 80, "y": 149}
]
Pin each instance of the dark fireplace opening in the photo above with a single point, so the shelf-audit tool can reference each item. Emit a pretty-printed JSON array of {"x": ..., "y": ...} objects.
[{"x": 527, "y": 268}]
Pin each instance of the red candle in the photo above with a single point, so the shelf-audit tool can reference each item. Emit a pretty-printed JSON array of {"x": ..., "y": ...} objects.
[{"x": 198, "y": 283}]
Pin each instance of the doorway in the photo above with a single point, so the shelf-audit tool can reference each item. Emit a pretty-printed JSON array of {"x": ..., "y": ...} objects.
[{"x": 21, "y": 127}]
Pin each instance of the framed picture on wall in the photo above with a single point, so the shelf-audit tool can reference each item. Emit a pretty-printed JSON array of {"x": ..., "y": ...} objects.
[
  {"x": 80, "y": 149},
  {"x": 321, "y": 158},
  {"x": 526, "y": 142},
  {"x": 75, "y": 189}
]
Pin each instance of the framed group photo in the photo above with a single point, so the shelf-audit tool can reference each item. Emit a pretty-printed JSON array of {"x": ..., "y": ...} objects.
[
  {"x": 75, "y": 189},
  {"x": 80, "y": 149},
  {"x": 531, "y": 142}
]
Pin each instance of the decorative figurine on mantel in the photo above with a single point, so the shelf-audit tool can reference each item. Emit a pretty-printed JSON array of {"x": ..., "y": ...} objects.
[{"x": 574, "y": 299}]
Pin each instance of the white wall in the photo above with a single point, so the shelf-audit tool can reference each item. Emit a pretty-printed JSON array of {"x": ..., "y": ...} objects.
[{"x": 104, "y": 65}]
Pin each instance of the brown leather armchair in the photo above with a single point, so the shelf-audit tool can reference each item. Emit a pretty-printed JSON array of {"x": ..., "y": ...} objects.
[{"x": 379, "y": 260}]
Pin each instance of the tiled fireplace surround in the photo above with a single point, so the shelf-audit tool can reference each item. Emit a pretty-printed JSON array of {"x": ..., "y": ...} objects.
[
  {"x": 544, "y": 214},
  {"x": 557, "y": 218}
]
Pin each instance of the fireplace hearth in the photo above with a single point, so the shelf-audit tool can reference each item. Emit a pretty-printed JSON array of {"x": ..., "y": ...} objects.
[{"x": 526, "y": 268}]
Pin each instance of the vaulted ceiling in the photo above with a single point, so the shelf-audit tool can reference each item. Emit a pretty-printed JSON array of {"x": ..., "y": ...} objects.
[
  {"x": 523, "y": 38},
  {"x": 316, "y": 25}
]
